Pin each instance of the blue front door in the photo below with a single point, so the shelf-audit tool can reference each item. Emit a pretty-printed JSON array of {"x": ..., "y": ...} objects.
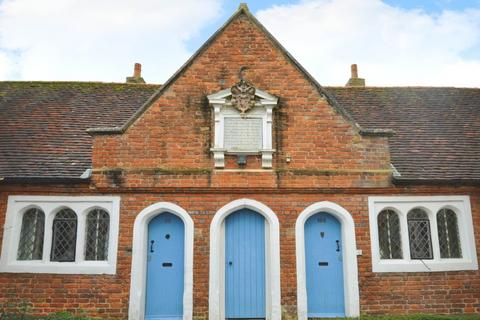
[
  {"x": 245, "y": 265},
  {"x": 324, "y": 266},
  {"x": 165, "y": 265}
]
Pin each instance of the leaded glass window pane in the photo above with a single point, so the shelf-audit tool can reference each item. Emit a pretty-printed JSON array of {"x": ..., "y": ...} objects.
[
  {"x": 96, "y": 243},
  {"x": 448, "y": 235},
  {"x": 419, "y": 235},
  {"x": 64, "y": 236},
  {"x": 30, "y": 246},
  {"x": 390, "y": 242}
]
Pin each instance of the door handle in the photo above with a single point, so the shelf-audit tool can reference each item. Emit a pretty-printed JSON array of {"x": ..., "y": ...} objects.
[
  {"x": 151, "y": 245},
  {"x": 338, "y": 245}
]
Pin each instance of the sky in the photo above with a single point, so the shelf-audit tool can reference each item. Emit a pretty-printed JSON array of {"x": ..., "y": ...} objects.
[{"x": 394, "y": 42}]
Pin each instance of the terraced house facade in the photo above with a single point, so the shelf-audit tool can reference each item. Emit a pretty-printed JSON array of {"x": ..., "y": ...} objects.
[{"x": 240, "y": 188}]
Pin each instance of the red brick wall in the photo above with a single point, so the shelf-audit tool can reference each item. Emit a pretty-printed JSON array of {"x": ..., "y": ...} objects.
[
  {"x": 396, "y": 293},
  {"x": 177, "y": 130}
]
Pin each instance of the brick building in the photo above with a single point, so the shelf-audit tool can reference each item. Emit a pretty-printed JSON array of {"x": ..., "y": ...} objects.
[{"x": 240, "y": 188}]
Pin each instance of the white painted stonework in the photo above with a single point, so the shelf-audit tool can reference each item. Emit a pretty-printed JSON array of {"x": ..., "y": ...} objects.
[
  {"x": 136, "y": 310},
  {"x": 431, "y": 205},
  {"x": 223, "y": 109},
  {"x": 350, "y": 269},
  {"x": 50, "y": 205},
  {"x": 216, "y": 300}
]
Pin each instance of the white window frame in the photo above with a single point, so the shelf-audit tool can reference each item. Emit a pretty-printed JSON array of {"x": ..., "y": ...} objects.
[
  {"x": 50, "y": 205},
  {"x": 431, "y": 205}
]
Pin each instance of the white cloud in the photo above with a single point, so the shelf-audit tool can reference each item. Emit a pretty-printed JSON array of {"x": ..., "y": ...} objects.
[
  {"x": 4, "y": 67},
  {"x": 392, "y": 46},
  {"x": 98, "y": 40}
]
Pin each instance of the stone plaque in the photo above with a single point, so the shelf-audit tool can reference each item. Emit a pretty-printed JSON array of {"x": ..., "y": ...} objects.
[{"x": 243, "y": 134}]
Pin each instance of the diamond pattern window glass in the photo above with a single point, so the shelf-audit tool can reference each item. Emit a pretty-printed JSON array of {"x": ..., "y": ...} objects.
[
  {"x": 30, "y": 246},
  {"x": 448, "y": 235},
  {"x": 419, "y": 234},
  {"x": 64, "y": 238},
  {"x": 389, "y": 239},
  {"x": 96, "y": 242}
]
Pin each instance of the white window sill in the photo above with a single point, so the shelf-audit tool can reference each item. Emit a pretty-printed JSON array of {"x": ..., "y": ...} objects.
[
  {"x": 429, "y": 266},
  {"x": 248, "y": 152},
  {"x": 86, "y": 267}
]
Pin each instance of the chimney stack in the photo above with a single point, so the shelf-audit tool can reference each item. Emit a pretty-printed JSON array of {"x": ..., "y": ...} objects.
[
  {"x": 355, "y": 81},
  {"x": 137, "y": 75}
]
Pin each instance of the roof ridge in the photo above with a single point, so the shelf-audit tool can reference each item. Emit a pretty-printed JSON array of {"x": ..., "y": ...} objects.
[
  {"x": 77, "y": 82},
  {"x": 401, "y": 87}
]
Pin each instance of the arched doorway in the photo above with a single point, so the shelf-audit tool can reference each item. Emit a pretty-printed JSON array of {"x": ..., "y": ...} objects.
[
  {"x": 324, "y": 266},
  {"x": 141, "y": 248},
  {"x": 220, "y": 229},
  {"x": 245, "y": 265},
  {"x": 347, "y": 253},
  {"x": 165, "y": 268}
]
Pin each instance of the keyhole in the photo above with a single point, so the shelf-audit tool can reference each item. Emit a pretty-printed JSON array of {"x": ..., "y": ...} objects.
[
  {"x": 167, "y": 236},
  {"x": 322, "y": 234}
]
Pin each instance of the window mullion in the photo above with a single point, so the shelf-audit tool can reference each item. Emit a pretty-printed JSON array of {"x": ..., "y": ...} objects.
[
  {"x": 81, "y": 230},
  {"x": 434, "y": 235},
  {"x": 405, "y": 237},
  {"x": 47, "y": 244}
]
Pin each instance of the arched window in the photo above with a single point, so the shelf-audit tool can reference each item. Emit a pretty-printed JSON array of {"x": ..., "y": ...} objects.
[
  {"x": 30, "y": 246},
  {"x": 389, "y": 239},
  {"x": 64, "y": 238},
  {"x": 419, "y": 234},
  {"x": 96, "y": 241},
  {"x": 448, "y": 235}
]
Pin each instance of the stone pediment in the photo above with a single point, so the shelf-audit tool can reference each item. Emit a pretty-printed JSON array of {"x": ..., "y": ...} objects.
[{"x": 242, "y": 96}]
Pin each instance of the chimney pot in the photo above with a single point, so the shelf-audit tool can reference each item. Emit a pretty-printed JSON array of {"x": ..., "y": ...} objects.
[
  {"x": 137, "y": 72},
  {"x": 354, "y": 71}
]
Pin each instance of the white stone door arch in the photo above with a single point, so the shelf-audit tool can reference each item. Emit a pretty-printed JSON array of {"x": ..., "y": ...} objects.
[
  {"x": 350, "y": 269},
  {"x": 136, "y": 310},
  {"x": 272, "y": 259}
]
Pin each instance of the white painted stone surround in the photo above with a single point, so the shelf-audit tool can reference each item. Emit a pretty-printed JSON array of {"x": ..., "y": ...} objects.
[
  {"x": 216, "y": 299},
  {"x": 350, "y": 269},
  {"x": 431, "y": 204},
  {"x": 136, "y": 310},
  {"x": 50, "y": 205},
  {"x": 223, "y": 108}
]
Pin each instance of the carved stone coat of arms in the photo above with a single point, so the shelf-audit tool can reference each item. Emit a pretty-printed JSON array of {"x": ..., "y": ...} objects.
[{"x": 243, "y": 96}]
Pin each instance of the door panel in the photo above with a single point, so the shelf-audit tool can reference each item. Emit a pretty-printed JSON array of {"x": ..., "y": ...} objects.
[
  {"x": 165, "y": 268},
  {"x": 324, "y": 266},
  {"x": 245, "y": 265}
]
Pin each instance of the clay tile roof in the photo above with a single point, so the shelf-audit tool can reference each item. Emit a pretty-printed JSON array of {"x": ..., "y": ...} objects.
[
  {"x": 437, "y": 130},
  {"x": 42, "y": 124}
]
